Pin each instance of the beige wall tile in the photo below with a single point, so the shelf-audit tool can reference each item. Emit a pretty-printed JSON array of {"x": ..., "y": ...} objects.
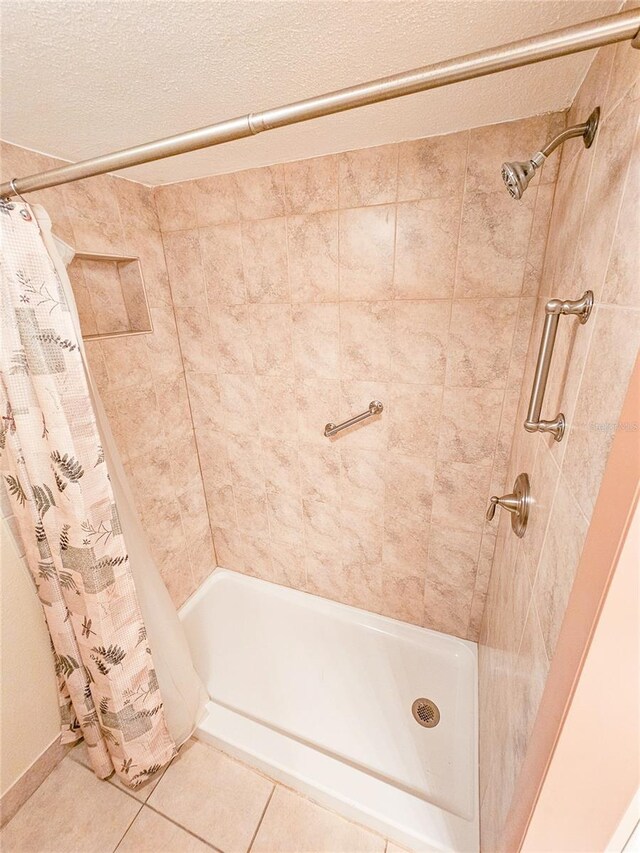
[
  {"x": 367, "y": 237},
  {"x": 260, "y": 192},
  {"x": 313, "y": 257},
  {"x": 256, "y": 550},
  {"x": 277, "y": 405},
  {"x": 594, "y": 88},
  {"x": 137, "y": 206},
  {"x": 205, "y": 398},
  {"x": 625, "y": 73},
  {"x": 460, "y": 495},
  {"x": 215, "y": 200},
  {"x": 612, "y": 355},
  {"x": 450, "y": 579},
  {"x": 414, "y": 419},
  {"x": 317, "y": 400},
  {"x": 611, "y": 163},
  {"x": 426, "y": 245},
  {"x": 368, "y": 176},
  {"x": 432, "y": 168},
  {"x": 287, "y": 564},
  {"x": 408, "y": 488},
  {"x": 238, "y": 404},
  {"x": 419, "y": 341},
  {"x": 221, "y": 255},
  {"x": 365, "y": 340},
  {"x": 272, "y": 339},
  {"x": 480, "y": 342},
  {"x": 228, "y": 544},
  {"x": 558, "y": 563},
  {"x": 405, "y": 544},
  {"x": 316, "y": 340},
  {"x": 402, "y": 594},
  {"x": 469, "y": 425},
  {"x": 494, "y": 236},
  {"x": 538, "y": 240},
  {"x": 231, "y": 338},
  {"x": 264, "y": 252},
  {"x": 622, "y": 279},
  {"x": 197, "y": 341},
  {"x": 176, "y": 207},
  {"x": 182, "y": 253},
  {"x": 311, "y": 185}
]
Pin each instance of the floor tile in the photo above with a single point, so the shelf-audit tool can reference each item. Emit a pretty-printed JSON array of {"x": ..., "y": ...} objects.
[
  {"x": 293, "y": 824},
  {"x": 152, "y": 833},
  {"x": 79, "y": 753},
  {"x": 213, "y": 796},
  {"x": 71, "y": 812}
]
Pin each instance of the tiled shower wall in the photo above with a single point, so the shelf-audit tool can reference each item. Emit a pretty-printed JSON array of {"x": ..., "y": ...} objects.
[
  {"x": 593, "y": 243},
  {"x": 140, "y": 379},
  {"x": 302, "y": 292}
]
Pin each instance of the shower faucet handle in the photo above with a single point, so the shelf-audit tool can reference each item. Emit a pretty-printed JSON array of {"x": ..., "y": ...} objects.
[
  {"x": 492, "y": 507},
  {"x": 517, "y": 503},
  {"x": 508, "y": 502}
]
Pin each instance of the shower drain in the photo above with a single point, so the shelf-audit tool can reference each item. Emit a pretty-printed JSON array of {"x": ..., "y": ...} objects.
[{"x": 426, "y": 713}]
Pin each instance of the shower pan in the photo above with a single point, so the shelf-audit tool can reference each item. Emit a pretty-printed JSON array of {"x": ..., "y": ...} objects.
[{"x": 372, "y": 717}]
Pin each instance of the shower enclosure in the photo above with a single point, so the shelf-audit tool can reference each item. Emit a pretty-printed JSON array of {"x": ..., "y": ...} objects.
[{"x": 368, "y": 632}]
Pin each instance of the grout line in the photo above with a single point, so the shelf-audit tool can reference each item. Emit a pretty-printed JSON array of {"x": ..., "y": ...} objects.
[
  {"x": 186, "y": 384},
  {"x": 264, "y": 811},
  {"x": 135, "y": 817},
  {"x": 181, "y": 826}
]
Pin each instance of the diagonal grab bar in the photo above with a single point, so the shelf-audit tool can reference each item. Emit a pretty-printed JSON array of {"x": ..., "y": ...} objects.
[
  {"x": 375, "y": 407},
  {"x": 554, "y": 309}
]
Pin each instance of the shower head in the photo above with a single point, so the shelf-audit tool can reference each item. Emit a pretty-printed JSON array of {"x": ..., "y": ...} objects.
[{"x": 516, "y": 176}]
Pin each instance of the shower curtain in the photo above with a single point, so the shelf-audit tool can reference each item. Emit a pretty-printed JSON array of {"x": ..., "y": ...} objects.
[{"x": 124, "y": 670}]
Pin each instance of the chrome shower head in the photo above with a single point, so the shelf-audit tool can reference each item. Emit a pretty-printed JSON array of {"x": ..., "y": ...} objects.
[{"x": 516, "y": 176}]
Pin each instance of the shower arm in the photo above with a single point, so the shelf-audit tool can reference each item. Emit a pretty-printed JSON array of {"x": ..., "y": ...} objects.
[
  {"x": 574, "y": 39},
  {"x": 569, "y": 133}
]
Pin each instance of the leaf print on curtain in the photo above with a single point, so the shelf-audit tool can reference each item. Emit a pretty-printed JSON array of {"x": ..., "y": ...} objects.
[{"x": 64, "y": 504}]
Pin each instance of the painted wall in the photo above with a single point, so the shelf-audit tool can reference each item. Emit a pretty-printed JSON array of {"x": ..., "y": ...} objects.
[
  {"x": 141, "y": 378},
  {"x": 29, "y": 716},
  {"x": 592, "y": 243},
  {"x": 573, "y": 814},
  {"x": 302, "y": 292}
]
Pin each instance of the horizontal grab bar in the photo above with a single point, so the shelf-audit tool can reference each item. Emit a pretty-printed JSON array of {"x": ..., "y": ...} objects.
[
  {"x": 375, "y": 407},
  {"x": 554, "y": 309}
]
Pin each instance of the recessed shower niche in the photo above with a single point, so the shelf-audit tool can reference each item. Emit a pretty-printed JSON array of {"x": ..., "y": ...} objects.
[{"x": 110, "y": 295}]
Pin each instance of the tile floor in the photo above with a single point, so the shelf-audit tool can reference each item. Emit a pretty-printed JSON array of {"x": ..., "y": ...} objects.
[{"x": 204, "y": 801}]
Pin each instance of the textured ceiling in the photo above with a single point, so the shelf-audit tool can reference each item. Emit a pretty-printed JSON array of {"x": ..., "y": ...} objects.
[{"x": 85, "y": 77}]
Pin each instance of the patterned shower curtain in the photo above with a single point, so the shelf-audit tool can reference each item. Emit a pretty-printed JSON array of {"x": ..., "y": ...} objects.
[{"x": 53, "y": 468}]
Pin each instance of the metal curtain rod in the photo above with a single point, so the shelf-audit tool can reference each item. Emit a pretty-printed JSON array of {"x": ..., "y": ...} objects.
[{"x": 586, "y": 36}]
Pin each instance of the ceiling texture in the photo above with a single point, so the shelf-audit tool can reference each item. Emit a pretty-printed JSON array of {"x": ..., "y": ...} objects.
[{"x": 85, "y": 77}]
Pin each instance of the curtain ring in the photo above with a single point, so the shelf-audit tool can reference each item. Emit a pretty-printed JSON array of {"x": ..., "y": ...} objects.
[{"x": 12, "y": 184}]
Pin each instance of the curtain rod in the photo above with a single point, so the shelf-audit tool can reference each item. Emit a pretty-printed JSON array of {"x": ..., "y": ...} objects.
[{"x": 573, "y": 39}]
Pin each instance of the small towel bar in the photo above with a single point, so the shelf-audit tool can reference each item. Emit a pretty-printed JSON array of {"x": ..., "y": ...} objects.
[{"x": 554, "y": 309}]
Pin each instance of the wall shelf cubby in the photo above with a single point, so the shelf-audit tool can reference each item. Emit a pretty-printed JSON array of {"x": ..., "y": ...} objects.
[{"x": 110, "y": 294}]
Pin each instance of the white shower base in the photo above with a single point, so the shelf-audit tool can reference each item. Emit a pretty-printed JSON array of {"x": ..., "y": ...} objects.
[{"x": 318, "y": 695}]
